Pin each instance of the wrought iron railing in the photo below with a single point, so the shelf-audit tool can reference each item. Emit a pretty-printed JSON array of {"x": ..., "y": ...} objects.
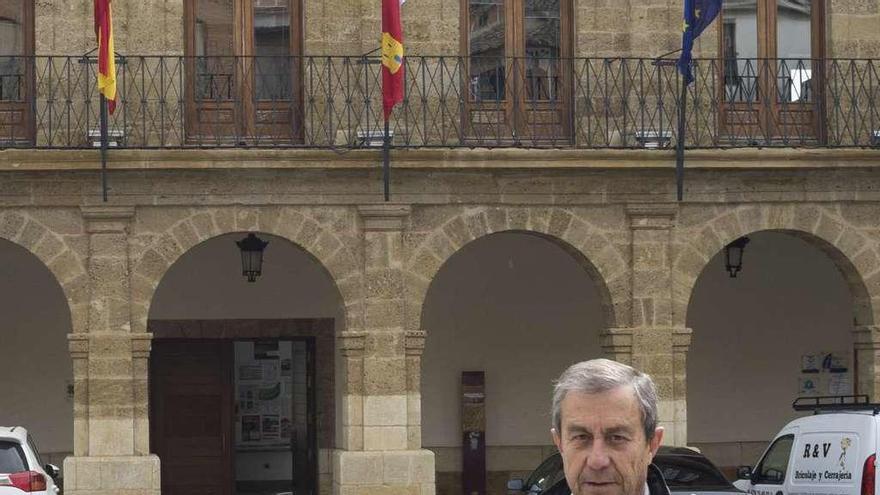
[{"x": 336, "y": 102}]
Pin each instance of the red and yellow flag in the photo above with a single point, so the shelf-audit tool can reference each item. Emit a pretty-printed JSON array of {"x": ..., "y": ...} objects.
[
  {"x": 106, "y": 57},
  {"x": 392, "y": 55}
]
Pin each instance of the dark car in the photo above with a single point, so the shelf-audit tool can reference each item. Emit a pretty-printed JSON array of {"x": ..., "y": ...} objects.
[{"x": 685, "y": 470}]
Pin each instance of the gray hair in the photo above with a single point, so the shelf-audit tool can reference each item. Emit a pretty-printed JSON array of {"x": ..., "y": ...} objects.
[{"x": 602, "y": 375}]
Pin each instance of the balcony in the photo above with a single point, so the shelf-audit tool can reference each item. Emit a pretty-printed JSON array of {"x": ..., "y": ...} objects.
[{"x": 323, "y": 102}]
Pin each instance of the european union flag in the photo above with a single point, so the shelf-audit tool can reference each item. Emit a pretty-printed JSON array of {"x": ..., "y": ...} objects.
[{"x": 698, "y": 14}]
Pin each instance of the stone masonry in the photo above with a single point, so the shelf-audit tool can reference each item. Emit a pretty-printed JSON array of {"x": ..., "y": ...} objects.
[{"x": 613, "y": 211}]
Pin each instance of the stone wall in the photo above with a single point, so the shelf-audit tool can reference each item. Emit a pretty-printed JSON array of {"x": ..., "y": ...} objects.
[
  {"x": 432, "y": 27},
  {"x": 614, "y": 212}
]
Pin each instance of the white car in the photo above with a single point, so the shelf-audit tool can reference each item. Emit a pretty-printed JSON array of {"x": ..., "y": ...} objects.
[{"x": 21, "y": 470}]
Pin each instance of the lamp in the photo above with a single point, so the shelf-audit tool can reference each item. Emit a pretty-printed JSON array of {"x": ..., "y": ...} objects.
[
  {"x": 252, "y": 256},
  {"x": 733, "y": 256}
]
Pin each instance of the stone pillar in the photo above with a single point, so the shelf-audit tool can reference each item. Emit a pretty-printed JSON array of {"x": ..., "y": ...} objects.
[
  {"x": 866, "y": 344},
  {"x": 654, "y": 339},
  {"x": 617, "y": 344},
  {"x": 111, "y": 441},
  {"x": 681, "y": 344},
  {"x": 379, "y": 454},
  {"x": 415, "y": 346}
]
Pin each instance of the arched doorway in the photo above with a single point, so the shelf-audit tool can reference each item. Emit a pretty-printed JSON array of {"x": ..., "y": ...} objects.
[
  {"x": 36, "y": 370},
  {"x": 757, "y": 339},
  {"x": 518, "y": 307},
  {"x": 242, "y": 378}
]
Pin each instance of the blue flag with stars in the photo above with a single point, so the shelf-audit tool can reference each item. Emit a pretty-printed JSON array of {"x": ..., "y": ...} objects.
[{"x": 698, "y": 14}]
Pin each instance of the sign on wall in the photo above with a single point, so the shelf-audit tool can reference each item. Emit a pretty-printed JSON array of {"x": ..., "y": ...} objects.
[{"x": 824, "y": 373}]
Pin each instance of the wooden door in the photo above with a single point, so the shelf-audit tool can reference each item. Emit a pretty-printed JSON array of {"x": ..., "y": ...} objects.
[
  {"x": 543, "y": 70},
  {"x": 16, "y": 73},
  {"x": 770, "y": 74},
  {"x": 518, "y": 66},
  {"x": 243, "y": 71},
  {"x": 191, "y": 417}
]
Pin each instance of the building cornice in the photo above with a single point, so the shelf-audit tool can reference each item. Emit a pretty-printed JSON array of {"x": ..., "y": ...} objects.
[{"x": 13, "y": 160}]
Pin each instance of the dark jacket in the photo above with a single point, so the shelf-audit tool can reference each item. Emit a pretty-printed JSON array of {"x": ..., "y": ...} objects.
[{"x": 656, "y": 484}]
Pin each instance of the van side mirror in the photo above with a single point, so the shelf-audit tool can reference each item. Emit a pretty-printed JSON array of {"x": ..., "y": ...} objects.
[
  {"x": 744, "y": 473},
  {"x": 515, "y": 485}
]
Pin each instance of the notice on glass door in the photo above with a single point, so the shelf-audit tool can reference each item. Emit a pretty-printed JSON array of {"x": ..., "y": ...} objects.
[{"x": 263, "y": 388}]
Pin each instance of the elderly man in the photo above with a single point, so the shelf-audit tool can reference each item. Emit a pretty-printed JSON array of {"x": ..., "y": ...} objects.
[{"x": 605, "y": 427}]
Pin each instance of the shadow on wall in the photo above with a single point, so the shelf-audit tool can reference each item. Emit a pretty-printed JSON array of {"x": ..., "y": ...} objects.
[
  {"x": 749, "y": 335},
  {"x": 520, "y": 308}
]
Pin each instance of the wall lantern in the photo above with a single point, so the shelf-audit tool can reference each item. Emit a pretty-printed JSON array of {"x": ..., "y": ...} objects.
[
  {"x": 252, "y": 256},
  {"x": 733, "y": 256}
]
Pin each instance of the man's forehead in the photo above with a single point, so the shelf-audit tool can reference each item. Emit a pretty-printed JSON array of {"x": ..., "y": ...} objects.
[{"x": 613, "y": 408}]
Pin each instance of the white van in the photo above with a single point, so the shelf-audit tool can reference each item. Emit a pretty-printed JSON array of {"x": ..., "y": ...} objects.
[{"x": 832, "y": 452}]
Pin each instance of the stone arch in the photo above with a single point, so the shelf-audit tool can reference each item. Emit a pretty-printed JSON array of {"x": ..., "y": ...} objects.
[
  {"x": 322, "y": 238},
  {"x": 853, "y": 253},
  {"x": 65, "y": 255},
  {"x": 605, "y": 261}
]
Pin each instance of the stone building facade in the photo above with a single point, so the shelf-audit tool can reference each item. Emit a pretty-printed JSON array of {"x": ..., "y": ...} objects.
[{"x": 613, "y": 211}]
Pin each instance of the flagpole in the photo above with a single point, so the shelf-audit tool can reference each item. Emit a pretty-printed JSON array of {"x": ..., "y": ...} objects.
[
  {"x": 679, "y": 148},
  {"x": 103, "y": 103},
  {"x": 386, "y": 163}
]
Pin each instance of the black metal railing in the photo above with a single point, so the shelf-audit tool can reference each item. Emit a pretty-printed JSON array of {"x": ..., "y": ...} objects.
[{"x": 336, "y": 102}]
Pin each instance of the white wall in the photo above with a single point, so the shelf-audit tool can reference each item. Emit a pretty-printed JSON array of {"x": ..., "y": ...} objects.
[
  {"x": 206, "y": 283},
  {"x": 749, "y": 334},
  {"x": 519, "y": 308},
  {"x": 35, "y": 364}
]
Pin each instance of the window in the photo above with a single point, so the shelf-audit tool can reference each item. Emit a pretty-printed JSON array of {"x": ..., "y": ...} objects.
[
  {"x": 243, "y": 64},
  {"x": 16, "y": 48},
  {"x": 787, "y": 33},
  {"x": 769, "y": 50},
  {"x": 774, "y": 465},
  {"x": 12, "y": 458},
  {"x": 516, "y": 53}
]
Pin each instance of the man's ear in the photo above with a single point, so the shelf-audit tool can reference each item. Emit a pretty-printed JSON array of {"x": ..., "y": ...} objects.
[
  {"x": 557, "y": 440},
  {"x": 656, "y": 441}
]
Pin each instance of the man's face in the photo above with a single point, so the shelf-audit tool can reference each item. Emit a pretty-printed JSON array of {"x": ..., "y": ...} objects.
[{"x": 603, "y": 445}]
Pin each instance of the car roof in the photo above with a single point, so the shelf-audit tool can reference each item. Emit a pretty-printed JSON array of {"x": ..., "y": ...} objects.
[
  {"x": 13, "y": 433},
  {"x": 670, "y": 450}
]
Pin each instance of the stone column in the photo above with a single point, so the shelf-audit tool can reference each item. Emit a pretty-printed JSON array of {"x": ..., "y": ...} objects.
[
  {"x": 415, "y": 346},
  {"x": 111, "y": 442},
  {"x": 379, "y": 454},
  {"x": 866, "y": 344},
  {"x": 617, "y": 344},
  {"x": 656, "y": 344},
  {"x": 681, "y": 344}
]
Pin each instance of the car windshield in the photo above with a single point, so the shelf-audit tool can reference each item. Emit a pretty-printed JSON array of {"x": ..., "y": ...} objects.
[
  {"x": 546, "y": 475},
  {"x": 691, "y": 472},
  {"x": 11, "y": 458}
]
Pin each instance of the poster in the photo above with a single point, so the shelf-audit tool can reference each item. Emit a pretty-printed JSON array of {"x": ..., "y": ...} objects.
[
  {"x": 824, "y": 373},
  {"x": 264, "y": 393}
]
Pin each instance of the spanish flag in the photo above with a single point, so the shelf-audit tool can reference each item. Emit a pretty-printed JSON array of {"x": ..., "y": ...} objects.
[
  {"x": 392, "y": 55},
  {"x": 106, "y": 57}
]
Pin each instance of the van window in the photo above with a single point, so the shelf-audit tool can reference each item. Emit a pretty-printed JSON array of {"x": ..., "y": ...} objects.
[
  {"x": 773, "y": 466},
  {"x": 36, "y": 452},
  {"x": 11, "y": 458}
]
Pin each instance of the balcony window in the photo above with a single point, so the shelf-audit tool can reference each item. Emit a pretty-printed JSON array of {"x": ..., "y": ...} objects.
[
  {"x": 769, "y": 48},
  {"x": 16, "y": 51},
  {"x": 517, "y": 54},
  {"x": 243, "y": 59}
]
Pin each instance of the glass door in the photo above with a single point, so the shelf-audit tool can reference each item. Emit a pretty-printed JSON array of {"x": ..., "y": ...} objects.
[
  {"x": 770, "y": 74},
  {"x": 16, "y": 72},
  {"x": 243, "y": 71},
  {"x": 273, "y": 431},
  {"x": 517, "y": 64}
]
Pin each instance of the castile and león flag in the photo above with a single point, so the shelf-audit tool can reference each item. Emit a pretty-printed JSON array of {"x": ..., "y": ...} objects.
[{"x": 106, "y": 58}]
